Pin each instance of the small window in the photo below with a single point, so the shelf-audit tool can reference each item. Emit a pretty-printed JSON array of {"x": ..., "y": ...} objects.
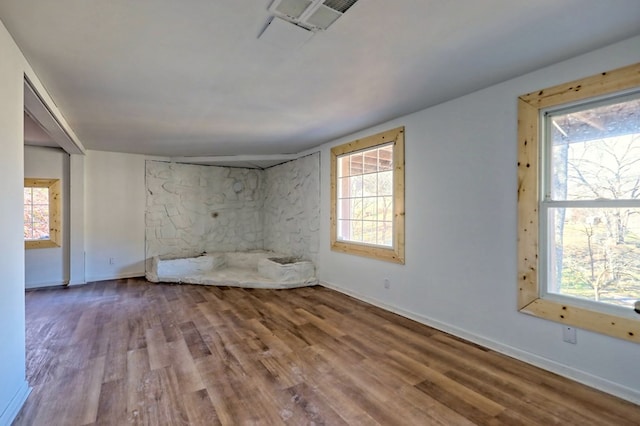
[
  {"x": 591, "y": 205},
  {"x": 367, "y": 197},
  {"x": 41, "y": 213},
  {"x": 579, "y": 203}
]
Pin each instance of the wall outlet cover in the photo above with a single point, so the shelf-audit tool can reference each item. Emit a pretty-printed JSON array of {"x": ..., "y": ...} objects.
[{"x": 569, "y": 334}]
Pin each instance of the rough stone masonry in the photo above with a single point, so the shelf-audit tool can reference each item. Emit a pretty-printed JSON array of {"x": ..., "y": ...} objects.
[{"x": 191, "y": 209}]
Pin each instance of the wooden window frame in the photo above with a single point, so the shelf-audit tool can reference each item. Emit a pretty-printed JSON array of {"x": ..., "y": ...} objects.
[
  {"x": 529, "y": 170},
  {"x": 396, "y": 252},
  {"x": 55, "y": 212}
]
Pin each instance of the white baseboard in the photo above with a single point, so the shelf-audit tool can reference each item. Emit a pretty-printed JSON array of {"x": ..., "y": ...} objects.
[
  {"x": 580, "y": 376},
  {"x": 43, "y": 284},
  {"x": 11, "y": 411},
  {"x": 115, "y": 276}
]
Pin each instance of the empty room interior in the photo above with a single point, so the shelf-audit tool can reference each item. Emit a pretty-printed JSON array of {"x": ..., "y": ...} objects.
[{"x": 320, "y": 212}]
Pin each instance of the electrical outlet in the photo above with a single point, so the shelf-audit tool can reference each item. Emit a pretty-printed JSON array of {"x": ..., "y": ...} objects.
[
  {"x": 387, "y": 283},
  {"x": 569, "y": 334},
  {"x": 112, "y": 261}
]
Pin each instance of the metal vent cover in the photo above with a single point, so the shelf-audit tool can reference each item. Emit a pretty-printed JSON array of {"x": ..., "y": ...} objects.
[
  {"x": 340, "y": 5},
  {"x": 314, "y": 15},
  {"x": 323, "y": 17},
  {"x": 292, "y": 8}
]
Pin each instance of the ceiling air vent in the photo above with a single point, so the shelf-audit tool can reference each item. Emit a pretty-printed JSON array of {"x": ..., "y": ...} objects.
[{"x": 315, "y": 15}]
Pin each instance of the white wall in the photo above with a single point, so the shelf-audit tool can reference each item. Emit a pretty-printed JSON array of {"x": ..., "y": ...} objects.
[
  {"x": 13, "y": 69},
  {"x": 14, "y": 388},
  {"x": 49, "y": 266},
  {"x": 114, "y": 215},
  {"x": 460, "y": 272},
  {"x": 76, "y": 218}
]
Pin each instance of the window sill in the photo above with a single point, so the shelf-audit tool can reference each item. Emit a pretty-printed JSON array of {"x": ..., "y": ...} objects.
[
  {"x": 40, "y": 244},
  {"x": 380, "y": 253},
  {"x": 589, "y": 319}
]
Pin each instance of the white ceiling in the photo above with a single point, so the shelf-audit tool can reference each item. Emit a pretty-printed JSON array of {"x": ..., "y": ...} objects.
[{"x": 191, "y": 78}]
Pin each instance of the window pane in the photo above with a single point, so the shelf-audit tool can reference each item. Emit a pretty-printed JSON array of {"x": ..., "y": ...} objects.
[
  {"x": 363, "y": 215},
  {"x": 40, "y": 230},
  {"x": 28, "y": 217},
  {"x": 385, "y": 156},
  {"x": 40, "y": 196},
  {"x": 370, "y": 161},
  {"x": 385, "y": 208},
  {"x": 344, "y": 229},
  {"x": 370, "y": 185},
  {"x": 343, "y": 166},
  {"x": 27, "y": 196},
  {"x": 356, "y": 164},
  {"x": 41, "y": 213},
  {"x": 369, "y": 232},
  {"x": 370, "y": 208},
  {"x": 356, "y": 230},
  {"x": 595, "y": 254},
  {"x": 385, "y": 233},
  {"x": 356, "y": 208},
  {"x": 385, "y": 183},
  {"x": 596, "y": 153},
  {"x": 344, "y": 189},
  {"x": 344, "y": 209},
  {"x": 28, "y": 231},
  {"x": 355, "y": 186}
]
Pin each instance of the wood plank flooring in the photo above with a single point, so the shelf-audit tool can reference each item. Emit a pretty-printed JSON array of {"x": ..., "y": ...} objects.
[{"x": 132, "y": 352}]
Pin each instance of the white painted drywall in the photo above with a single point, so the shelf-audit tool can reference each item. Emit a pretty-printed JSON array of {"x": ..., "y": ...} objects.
[
  {"x": 13, "y": 388},
  {"x": 49, "y": 266},
  {"x": 76, "y": 217},
  {"x": 460, "y": 272},
  {"x": 13, "y": 70},
  {"x": 114, "y": 215}
]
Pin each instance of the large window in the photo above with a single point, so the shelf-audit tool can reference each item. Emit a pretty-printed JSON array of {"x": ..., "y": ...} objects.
[
  {"x": 41, "y": 213},
  {"x": 579, "y": 203},
  {"x": 367, "y": 196}
]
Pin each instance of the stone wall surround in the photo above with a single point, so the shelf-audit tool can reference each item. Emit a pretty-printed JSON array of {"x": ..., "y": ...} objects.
[
  {"x": 191, "y": 209},
  {"x": 249, "y": 269},
  {"x": 292, "y": 207}
]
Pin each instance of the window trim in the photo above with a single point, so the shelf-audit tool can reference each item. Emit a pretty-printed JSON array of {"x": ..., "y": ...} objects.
[
  {"x": 55, "y": 233},
  {"x": 396, "y": 252},
  {"x": 529, "y": 174}
]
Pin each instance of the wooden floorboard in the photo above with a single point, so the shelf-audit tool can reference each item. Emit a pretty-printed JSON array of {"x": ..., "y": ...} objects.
[{"x": 131, "y": 352}]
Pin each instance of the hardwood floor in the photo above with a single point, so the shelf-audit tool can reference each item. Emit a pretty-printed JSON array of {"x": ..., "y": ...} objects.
[{"x": 131, "y": 352}]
